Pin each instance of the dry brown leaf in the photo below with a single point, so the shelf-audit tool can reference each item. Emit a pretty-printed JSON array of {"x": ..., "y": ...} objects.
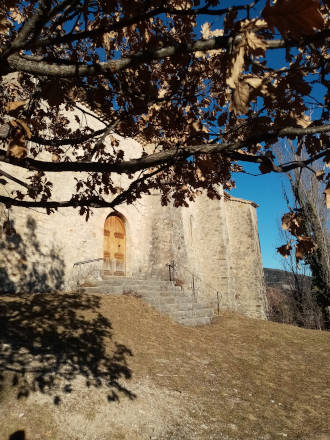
[
  {"x": 114, "y": 142},
  {"x": 17, "y": 143},
  {"x": 207, "y": 33},
  {"x": 17, "y": 16},
  {"x": 4, "y": 25},
  {"x": 206, "y": 30},
  {"x": 25, "y": 127},
  {"x": 206, "y": 165},
  {"x": 294, "y": 223},
  {"x": 286, "y": 221},
  {"x": 253, "y": 81},
  {"x": 319, "y": 174},
  {"x": 241, "y": 95},
  {"x": 196, "y": 125},
  {"x": 260, "y": 23},
  {"x": 107, "y": 38},
  {"x": 303, "y": 120},
  {"x": 13, "y": 106},
  {"x": 17, "y": 150},
  {"x": 162, "y": 93},
  {"x": 147, "y": 35},
  {"x": 295, "y": 17},
  {"x": 255, "y": 43},
  {"x": 285, "y": 250},
  {"x": 305, "y": 246},
  {"x": 200, "y": 175},
  {"x": 236, "y": 68}
]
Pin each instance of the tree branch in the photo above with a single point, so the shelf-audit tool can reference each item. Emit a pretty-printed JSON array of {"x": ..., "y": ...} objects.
[
  {"x": 134, "y": 20},
  {"x": 69, "y": 141},
  {"x": 44, "y": 68},
  {"x": 282, "y": 168},
  {"x": 121, "y": 198},
  {"x": 156, "y": 159},
  {"x": 32, "y": 26},
  {"x": 5, "y": 132},
  {"x": 14, "y": 179},
  {"x": 93, "y": 202}
]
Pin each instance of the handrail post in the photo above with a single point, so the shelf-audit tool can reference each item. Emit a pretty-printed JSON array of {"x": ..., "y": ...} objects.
[
  {"x": 193, "y": 286},
  {"x": 171, "y": 270},
  {"x": 218, "y": 303}
]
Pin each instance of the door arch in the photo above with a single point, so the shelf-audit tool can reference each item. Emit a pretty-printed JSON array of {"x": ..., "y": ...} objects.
[{"x": 114, "y": 260}]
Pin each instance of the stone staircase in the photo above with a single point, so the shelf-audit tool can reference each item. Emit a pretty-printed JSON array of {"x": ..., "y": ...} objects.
[{"x": 177, "y": 302}]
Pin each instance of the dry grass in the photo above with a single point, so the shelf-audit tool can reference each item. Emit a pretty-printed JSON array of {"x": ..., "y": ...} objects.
[{"x": 236, "y": 379}]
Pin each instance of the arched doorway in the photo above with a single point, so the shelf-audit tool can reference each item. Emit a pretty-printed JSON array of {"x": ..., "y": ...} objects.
[{"x": 114, "y": 246}]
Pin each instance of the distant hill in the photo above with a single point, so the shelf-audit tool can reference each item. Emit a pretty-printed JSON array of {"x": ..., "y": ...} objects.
[{"x": 283, "y": 280}]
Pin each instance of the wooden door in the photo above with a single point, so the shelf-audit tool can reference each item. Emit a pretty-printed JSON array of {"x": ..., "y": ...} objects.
[{"x": 114, "y": 246}]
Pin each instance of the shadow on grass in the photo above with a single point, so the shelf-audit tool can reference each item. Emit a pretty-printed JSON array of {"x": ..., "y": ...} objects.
[
  {"x": 17, "y": 435},
  {"x": 49, "y": 340}
]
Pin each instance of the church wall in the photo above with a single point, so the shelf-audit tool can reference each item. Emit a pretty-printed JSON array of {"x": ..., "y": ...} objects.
[
  {"x": 245, "y": 263},
  {"x": 31, "y": 259},
  {"x": 76, "y": 240},
  {"x": 206, "y": 241},
  {"x": 214, "y": 242}
]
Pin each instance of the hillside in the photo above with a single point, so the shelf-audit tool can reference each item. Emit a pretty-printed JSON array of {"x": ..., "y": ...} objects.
[
  {"x": 283, "y": 279},
  {"x": 99, "y": 368}
]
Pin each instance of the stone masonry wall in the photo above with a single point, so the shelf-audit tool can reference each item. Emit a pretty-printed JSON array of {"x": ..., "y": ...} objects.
[
  {"x": 245, "y": 264},
  {"x": 213, "y": 242}
]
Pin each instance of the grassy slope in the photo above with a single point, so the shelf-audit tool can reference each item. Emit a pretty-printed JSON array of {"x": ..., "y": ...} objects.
[{"x": 236, "y": 379}]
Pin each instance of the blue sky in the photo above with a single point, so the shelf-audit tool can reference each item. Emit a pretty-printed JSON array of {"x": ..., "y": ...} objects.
[{"x": 266, "y": 191}]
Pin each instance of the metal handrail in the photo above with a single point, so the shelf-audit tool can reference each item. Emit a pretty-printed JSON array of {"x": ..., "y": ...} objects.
[
  {"x": 86, "y": 261},
  {"x": 78, "y": 264},
  {"x": 171, "y": 268}
]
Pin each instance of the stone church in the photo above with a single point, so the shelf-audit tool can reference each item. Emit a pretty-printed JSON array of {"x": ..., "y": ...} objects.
[{"x": 212, "y": 246}]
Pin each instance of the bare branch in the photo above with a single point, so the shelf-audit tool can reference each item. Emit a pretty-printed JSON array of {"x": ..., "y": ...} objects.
[
  {"x": 33, "y": 26},
  {"x": 69, "y": 141},
  {"x": 44, "y": 68},
  {"x": 90, "y": 202},
  {"x": 121, "y": 198},
  {"x": 163, "y": 157},
  {"x": 301, "y": 163},
  {"x": 282, "y": 168},
  {"x": 134, "y": 20},
  {"x": 14, "y": 179}
]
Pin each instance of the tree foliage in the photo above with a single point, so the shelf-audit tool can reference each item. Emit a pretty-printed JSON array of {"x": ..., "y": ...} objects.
[{"x": 189, "y": 77}]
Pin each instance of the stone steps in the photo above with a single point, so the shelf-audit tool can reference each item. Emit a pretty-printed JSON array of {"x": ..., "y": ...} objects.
[{"x": 174, "y": 301}]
